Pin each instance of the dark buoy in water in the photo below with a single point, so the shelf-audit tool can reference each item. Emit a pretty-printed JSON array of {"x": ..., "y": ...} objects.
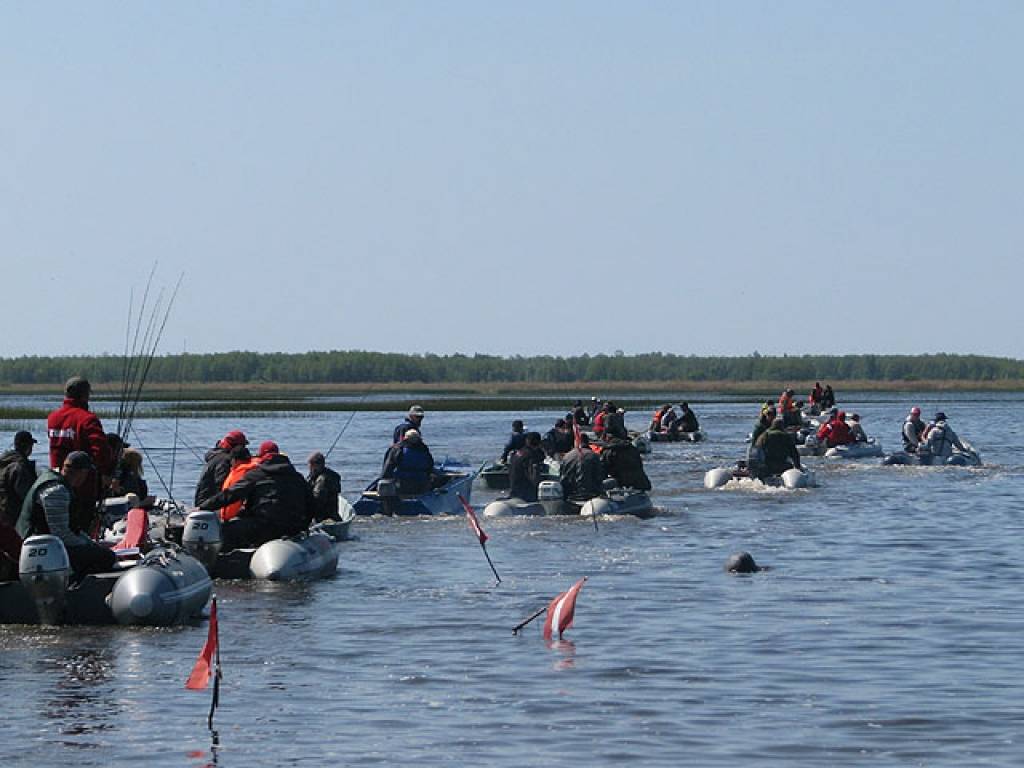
[{"x": 742, "y": 562}]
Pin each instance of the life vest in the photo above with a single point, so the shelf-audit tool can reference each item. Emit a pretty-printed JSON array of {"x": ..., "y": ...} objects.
[
  {"x": 599, "y": 422},
  {"x": 414, "y": 463},
  {"x": 786, "y": 403},
  {"x": 238, "y": 471}
]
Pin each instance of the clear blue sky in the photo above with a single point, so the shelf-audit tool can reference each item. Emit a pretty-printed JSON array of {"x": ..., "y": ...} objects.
[{"x": 516, "y": 178}]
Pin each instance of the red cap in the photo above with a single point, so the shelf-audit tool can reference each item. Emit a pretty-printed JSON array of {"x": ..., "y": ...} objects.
[
  {"x": 233, "y": 439},
  {"x": 268, "y": 447}
]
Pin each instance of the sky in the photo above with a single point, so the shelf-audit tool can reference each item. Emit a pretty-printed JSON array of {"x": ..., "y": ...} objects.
[{"x": 515, "y": 178}]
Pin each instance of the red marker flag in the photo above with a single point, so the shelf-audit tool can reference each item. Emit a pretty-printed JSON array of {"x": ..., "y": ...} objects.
[
  {"x": 474, "y": 523},
  {"x": 576, "y": 434},
  {"x": 200, "y": 676},
  {"x": 561, "y": 611}
]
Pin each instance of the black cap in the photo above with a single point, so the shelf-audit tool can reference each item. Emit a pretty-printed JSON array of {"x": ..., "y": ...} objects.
[
  {"x": 23, "y": 437},
  {"x": 940, "y": 416},
  {"x": 517, "y": 424},
  {"x": 78, "y": 460},
  {"x": 77, "y": 387}
]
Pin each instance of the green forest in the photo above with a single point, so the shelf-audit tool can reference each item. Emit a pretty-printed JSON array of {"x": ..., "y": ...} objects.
[{"x": 343, "y": 367}]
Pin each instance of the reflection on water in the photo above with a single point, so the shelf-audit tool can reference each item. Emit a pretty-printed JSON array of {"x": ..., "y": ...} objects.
[{"x": 887, "y": 631}]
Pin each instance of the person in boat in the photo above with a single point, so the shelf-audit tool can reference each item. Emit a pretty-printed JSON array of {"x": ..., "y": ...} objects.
[
  {"x": 128, "y": 477},
  {"x": 816, "y": 396},
  {"x": 615, "y": 423},
  {"x": 582, "y": 473},
  {"x": 276, "y": 502},
  {"x": 687, "y": 421},
  {"x": 939, "y": 439},
  {"x": 17, "y": 473},
  {"x": 778, "y": 448},
  {"x": 859, "y": 435},
  {"x": 600, "y": 420},
  {"x": 657, "y": 417},
  {"x": 73, "y": 427},
  {"x": 622, "y": 461},
  {"x": 526, "y": 468},
  {"x": 413, "y": 420},
  {"x": 787, "y": 408},
  {"x": 47, "y": 509},
  {"x": 558, "y": 440},
  {"x": 913, "y": 429},
  {"x": 325, "y": 484},
  {"x": 242, "y": 462},
  {"x": 218, "y": 465},
  {"x": 828, "y": 397},
  {"x": 835, "y": 431},
  {"x": 515, "y": 441},
  {"x": 579, "y": 414},
  {"x": 411, "y": 465},
  {"x": 763, "y": 424},
  {"x": 596, "y": 406}
]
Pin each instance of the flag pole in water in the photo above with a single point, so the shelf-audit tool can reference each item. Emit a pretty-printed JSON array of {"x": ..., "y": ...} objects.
[
  {"x": 208, "y": 657},
  {"x": 474, "y": 524},
  {"x": 560, "y": 612}
]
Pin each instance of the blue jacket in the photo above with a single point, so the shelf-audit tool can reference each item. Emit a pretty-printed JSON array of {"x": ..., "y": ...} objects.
[{"x": 515, "y": 441}]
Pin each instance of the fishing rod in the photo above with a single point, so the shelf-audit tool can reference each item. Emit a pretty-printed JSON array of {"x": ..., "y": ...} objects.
[
  {"x": 152, "y": 465},
  {"x": 345, "y": 427},
  {"x": 177, "y": 410},
  {"x": 130, "y": 364}
]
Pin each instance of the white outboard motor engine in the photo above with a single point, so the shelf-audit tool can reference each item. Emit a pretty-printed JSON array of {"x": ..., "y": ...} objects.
[
  {"x": 202, "y": 537},
  {"x": 549, "y": 494},
  {"x": 44, "y": 570}
]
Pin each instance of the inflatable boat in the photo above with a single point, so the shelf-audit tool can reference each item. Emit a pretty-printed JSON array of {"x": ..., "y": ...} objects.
[
  {"x": 675, "y": 437},
  {"x": 968, "y": 458},
  {"x": 382, "y": 497},
  {"x": 514, "y": 507},
  {"x": 495, "y": 474},
  {"x": 870, "y": 449},
  {"x": 791, "y": 479},
  {"x": 165, "y": 587},
  {"x": 307, "y": 556}
]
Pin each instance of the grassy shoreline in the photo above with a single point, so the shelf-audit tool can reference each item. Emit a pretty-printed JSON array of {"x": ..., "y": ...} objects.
[
  {"x": 212, "y": 400},
  {"x": 164, "y": 391}
]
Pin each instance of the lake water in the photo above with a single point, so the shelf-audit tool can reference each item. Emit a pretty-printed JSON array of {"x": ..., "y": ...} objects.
[{"x": 889, "y": 630}]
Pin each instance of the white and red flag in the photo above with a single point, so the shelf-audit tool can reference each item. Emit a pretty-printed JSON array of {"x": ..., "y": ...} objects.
[
  {"x": 577, "y": 433},
  {"x": 200, "y": 676},
  {"x": 561, "y": 611},
  {"x": 474, "y": 523}
]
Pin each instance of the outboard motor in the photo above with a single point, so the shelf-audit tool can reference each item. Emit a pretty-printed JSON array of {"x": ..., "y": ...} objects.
[
  {"x": 549, "y": 494},
  {"x": 44, "y": 570},
  {"x": 387, "y": 491},
  {"x": 202, "y": 537}
]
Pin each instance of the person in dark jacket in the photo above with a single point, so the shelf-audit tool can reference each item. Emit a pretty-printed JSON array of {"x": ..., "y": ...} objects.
[
  {"x": 526, "y": 468},
  {"x": 582, "y": 473},
  {"x": 17, "y": 473},
  {"x": 277, "y": 502},
  {"x": 410, "y": 463},
  {"x": 128, "y": 477},
  {"x": 515, "y": 441},
  {"x": 558, "y": 440},
  {"x": 828, "y": 397},
  {"x": 325, "y": 484},
  {"x": 615, "y": 423},
  {"x": 47, "y": 509},
  {"x": 413, "y": 420},
  {"x": 622, "y": 461},
  {"x": 579, "y": 414},
  {"x": 687, "y": 421},
  {"x": 779, "y": 450},
  {"x": 218, "y": 465},
  {"x": 763, "y": 424}
]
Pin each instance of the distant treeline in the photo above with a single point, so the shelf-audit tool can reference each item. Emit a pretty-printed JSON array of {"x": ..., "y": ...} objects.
[{"x": 339, "y": 367}]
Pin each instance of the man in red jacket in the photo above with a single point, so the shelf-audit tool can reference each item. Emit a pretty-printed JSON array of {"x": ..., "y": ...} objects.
[
  {"x": 73, "y": 427},
  {"x": 836, "y": 431}
]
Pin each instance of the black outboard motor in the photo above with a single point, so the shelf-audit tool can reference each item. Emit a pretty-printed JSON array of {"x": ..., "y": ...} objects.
[
  {"x": 387, "y": 491},
  {"x": 44, "y": 570},
  {"x": 202, "y": 537}
]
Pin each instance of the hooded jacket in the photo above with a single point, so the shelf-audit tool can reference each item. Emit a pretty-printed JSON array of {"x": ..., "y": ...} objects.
[
  {"x": 17, "y": 473},
  {"x": 72, "y": 427},
  {"x": 211, "y": 481},
  {"x": 621, "y": 460}
]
